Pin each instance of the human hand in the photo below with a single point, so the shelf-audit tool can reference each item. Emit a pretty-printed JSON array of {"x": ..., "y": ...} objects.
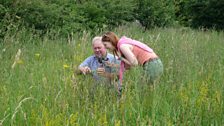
[
  {"x": 100, "y": 71},
  {"x": 85, "y": 70},
  {"x": 108, "y": 63},
  {"x": 127, "y": 67}
]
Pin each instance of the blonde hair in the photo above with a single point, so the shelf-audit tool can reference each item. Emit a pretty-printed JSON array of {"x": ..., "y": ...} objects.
[{"x": 97, "y": 38}]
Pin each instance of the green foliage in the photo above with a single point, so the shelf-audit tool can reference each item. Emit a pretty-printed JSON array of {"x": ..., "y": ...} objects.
[
  {"x": 8, "y": 20},
  {"x": 65, "y": 16},
  {"x": 97, "y": 15},
  {"x": 42, "y": 90},
  {"x": 201, "y": 14},
  {"x": 153, "y": 13}
]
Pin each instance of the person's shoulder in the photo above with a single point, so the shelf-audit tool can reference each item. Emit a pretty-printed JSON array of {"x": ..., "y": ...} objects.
[
  {"x": 90, "y": 58},
  {"x": 109, "y": 55},
  {"x": 123, "y": 39},
  {"x": 112, "y": 57}
]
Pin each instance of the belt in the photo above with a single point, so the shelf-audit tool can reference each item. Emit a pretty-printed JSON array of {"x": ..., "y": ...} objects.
[{"x": 150, "y": 60}]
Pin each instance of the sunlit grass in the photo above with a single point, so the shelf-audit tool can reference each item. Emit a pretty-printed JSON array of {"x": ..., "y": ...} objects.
[{"x": 42, "y": 90}]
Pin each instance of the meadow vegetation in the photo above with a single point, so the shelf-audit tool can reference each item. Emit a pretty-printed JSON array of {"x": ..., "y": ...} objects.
[{"x": 41, "y": 89}]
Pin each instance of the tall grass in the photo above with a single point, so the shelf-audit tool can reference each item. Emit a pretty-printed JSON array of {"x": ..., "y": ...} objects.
[{"x": 42, "y": 90}]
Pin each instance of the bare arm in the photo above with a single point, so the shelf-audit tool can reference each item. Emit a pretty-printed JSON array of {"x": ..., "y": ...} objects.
[{"x": 130, "y": 58}]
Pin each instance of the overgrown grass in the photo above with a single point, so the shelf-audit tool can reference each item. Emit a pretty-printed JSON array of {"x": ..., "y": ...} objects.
[{"x": 42, "y": 90}]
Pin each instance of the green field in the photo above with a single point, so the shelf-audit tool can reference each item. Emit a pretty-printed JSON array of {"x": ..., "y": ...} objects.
[{"x": 40, "y": 88}]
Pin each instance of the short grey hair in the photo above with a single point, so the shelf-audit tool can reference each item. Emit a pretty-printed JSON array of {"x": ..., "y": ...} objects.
[{"x": 97, "y": 38}]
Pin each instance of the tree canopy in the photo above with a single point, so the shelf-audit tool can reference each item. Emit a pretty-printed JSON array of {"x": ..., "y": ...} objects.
[{"x": 69, "y": 16}]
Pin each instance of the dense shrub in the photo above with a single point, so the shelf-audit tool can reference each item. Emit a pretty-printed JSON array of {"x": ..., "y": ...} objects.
[
  {"x": 153, "y": 13},
  {"x": 65, "y": 17},
  {"x": 198, "y": 13}
]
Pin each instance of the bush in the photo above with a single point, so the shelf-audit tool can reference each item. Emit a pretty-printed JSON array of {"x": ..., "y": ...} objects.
[
  {"x": 205, "y": 14},
  {"x": 153, "y": 13},
  {"x": 66, "y": 16}
]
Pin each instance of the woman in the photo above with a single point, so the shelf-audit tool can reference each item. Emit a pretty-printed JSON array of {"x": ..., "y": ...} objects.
[{"x": 133, "y": 53}]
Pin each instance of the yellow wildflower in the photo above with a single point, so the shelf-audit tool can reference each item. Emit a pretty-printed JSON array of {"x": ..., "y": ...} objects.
[
  {"x": 37, "y": 54},
  {"x": 117, "y": 122},
  {"x": 20, "y": 61},
  {"x": 65, "y": 66}
]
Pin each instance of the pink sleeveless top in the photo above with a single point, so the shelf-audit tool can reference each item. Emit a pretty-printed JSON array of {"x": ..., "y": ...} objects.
[
  {"x": 139, "y": 49},
  {"x": 142, "y": 55}
]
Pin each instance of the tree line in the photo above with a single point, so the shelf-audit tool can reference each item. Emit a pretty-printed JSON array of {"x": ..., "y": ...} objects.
[{"x": 70, "y": 16}]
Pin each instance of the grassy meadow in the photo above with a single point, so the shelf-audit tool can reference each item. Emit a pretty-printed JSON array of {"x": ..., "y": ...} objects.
[{"x": 38, "y": 86}]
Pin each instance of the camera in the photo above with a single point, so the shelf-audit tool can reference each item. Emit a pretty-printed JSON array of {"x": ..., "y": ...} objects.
[{"x": 102, "y": 59}]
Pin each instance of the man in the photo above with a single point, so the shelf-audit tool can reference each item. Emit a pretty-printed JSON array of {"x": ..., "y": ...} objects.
[{"x": 102, "y": 65}]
